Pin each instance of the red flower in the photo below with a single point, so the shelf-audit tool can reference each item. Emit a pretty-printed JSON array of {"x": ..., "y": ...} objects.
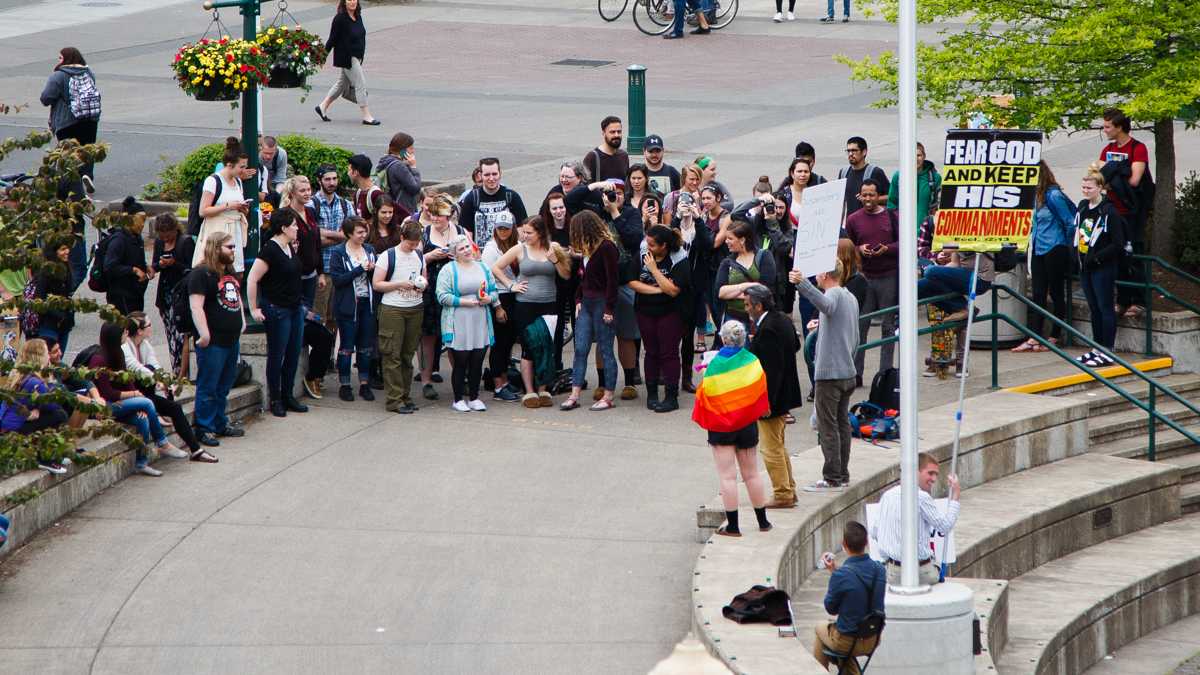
[
  {"x": 255, "y": 51},
  {"x": 304, "y": 46},
  {"x": 224, "y": 40},
  {"x": 178, "y": 57},
  {"x": 229, "y": 56},
  {"x": 204, "y": 41},
  {"x": 244, "y": 68}
]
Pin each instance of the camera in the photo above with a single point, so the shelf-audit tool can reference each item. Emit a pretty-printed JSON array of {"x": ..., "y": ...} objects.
[
  {"x": 611, "y": 195},
  {"x": 686, "y": 199},
  {"x": 769, "y": 208}
]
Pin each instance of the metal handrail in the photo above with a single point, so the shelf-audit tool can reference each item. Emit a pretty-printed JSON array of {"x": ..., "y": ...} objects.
[{"x": 1168, "y": 266}]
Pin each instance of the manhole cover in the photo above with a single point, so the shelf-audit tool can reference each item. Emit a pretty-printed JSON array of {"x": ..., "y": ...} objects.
[
  {"x": 99, "y": 4},
  {"x": 584, "y": 63}
]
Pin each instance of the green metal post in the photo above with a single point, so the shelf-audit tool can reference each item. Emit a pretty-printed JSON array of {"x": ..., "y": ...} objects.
[
  {"x": 1150, "y": 449},
  {"x": 250, "y": 11},
  {"x": 1148, "y": 303},
  {"x": 995, "y": 345},
  {"x": 637, "y": 109}
]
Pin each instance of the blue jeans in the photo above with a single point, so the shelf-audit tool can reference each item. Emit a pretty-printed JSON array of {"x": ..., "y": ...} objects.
[
  {"x": 285, "y": 336},
  {"x": 845, "y": 8},
  {"x": 356, "y": 335},
  {"x": 216, "y": 368},
  {"x": 591, "y": 328},
  {"x": 308, "y": 291},
  {"x": 139, "y": 413},
  {"x": 939, "y": 280},
  {"x": 1099, "y": 285},
  {"x": 79, "y": 264}
]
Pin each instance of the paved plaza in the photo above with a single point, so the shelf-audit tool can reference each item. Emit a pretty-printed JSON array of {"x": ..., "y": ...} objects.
[{"x": 351, "y": 540}]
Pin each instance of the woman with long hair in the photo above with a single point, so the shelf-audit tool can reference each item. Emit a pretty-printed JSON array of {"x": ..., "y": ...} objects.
[
  {"x": 276, "y": 273},
  {"x": 504, "y": 239},
  {"x": 385, "y": 231},
  {"x": 596, "y": 306},
  {"x": 663, "y": 298},
  {"x": 173, "y": 253},
  {"x": 141, "y": 359},
  {"x": 539, "y": 264},
  {"x": 690, "y": 176},
  {"x": 64, "y": 123},
  {"x": 637, "y": 185},
  {"x": 746, "y": 266},
  {"x": 295, "y": 195},
  {"x": 465, "y": 289},
  {"x": 554, "y": 214},
  {"x": 1049, "y": 264},
  {"x": 436, "y": 236},
  {"x": 696, "y": 241},
  {"x": 21, "y": 415},
  {"x": 348, "y": 44},
  {"x": 1099, "y": 243},
  {"x": 652, "y": 211},
  {"x": 125, "y": 400},
  {"x": 54, "y": 279},
  {"x": 729, "y": 402},
  {"x": 351, "y": 267},
  {"x": 224, "y": 206}
]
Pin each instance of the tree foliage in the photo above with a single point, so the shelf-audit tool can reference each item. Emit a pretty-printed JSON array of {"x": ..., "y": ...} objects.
[{"x": 1062, "y": 62}]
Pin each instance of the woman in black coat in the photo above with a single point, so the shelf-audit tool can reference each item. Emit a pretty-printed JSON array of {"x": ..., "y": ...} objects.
[
  {"x": 125, "y": 267},
  {"x": 348, "y": 43}
]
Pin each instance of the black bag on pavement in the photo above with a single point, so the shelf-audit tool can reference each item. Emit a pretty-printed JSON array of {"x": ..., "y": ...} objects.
[{"x": 885, "y": 389}]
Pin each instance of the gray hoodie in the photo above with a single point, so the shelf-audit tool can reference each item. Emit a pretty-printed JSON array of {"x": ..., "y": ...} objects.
[
  {"x": 57, "y": 95},
  {"x": 404, "y": 181}
]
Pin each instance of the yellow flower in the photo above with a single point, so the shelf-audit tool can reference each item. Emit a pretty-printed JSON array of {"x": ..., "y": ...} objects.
[
  {"x": 270, "y": 31},
  {"x": 206, "y": 83},
  {"x": 196, "y": 80}
]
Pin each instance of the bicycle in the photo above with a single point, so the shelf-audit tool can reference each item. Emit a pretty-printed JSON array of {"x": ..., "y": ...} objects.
[
  {"x": 661, "y": 13},
  {"x": 611, "y": 10}
]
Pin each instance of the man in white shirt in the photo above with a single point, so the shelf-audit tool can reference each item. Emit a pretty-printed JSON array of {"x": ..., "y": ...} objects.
[
  {"x": 887, "y": 529},
  {"x": 400, "y": 277}
]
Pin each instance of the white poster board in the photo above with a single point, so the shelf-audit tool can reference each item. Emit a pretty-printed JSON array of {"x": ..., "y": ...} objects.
[
  {"x": 819, "y": 227},
  {"x": 943, "y": 544}
]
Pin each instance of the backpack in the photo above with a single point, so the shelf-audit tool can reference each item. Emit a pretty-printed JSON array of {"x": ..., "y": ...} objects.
[
  {"x": 96, "y": 278},
  {"x": 885, "y": 389},
  {"x": 30, "y": 320},
  {"x": 380, "y": 178},
  {"x": 867, "y": 171},
  {"x": 367, "y": 202},
  {"x": 871, "y": 625},
  {"x": 85, "y": 356},
  {"x": 181, "y": 303},
  {"x": 1006, "y": 259},
  {"x": 85, "y": 97},
  {"x": 195, "y": 220}
]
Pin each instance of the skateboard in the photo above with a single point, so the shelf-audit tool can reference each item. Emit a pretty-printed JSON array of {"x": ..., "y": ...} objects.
[{"x": 941, "y": 344}]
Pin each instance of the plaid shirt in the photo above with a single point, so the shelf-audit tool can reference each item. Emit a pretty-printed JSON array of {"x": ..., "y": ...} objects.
[{"x": 330, "y": 215}]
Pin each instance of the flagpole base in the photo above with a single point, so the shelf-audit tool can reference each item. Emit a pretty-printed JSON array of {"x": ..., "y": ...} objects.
[{"x": 928, "y": 633}]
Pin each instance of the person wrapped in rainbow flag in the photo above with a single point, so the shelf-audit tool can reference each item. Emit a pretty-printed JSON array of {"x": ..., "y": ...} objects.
[{"x": 729, "y": 401}]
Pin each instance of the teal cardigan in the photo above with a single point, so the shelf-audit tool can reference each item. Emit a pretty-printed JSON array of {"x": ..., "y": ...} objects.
[{"x": 450, "y": 296}]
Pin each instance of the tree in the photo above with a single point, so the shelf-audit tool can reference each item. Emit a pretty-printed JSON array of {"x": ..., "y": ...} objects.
[
  {"x": 1058, "y": 64},
  {"x": 50, "y": 208}
]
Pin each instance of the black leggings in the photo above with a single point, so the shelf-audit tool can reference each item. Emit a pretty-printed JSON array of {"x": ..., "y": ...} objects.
[
  {"x": 1049, "y": 272},
  {"x": 505, "y": 337},
  {"x": 465, "y": 373},
  {"x": 170, "y": 409},
  {"x": 779, "y": 5}
]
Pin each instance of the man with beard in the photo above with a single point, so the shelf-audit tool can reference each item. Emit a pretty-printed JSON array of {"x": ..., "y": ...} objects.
[
  {"x": 664, "y": 177},
  {"x": 608, "y": 161},
  {"x": 480, "y": 208},
  {"x": 215, "y": 296}
]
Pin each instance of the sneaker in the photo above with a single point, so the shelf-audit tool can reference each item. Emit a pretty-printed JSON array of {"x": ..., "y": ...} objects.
[
  {"x": 208, "y": 438},
  {"x": 232, "y": 432},
  {"x": 345, "y": 393},
  {"x": 929, "y": 371},
  {"x": 406, "y": 409},
  {"x": 437, "y": 378},
  {"x": 845, "y": 19},
  {"x": 961, "y": 373},
  {"x": 1085, "y": 357},
  {"x": 313, "y": 388},
  {"x": 505, "y": 394},
  {"x": 88, "y": 184},
  {"x": 477, "y": 405},
  {"x": 791, "y": 16},
  {"x": 147, "y": 470},
  {"x": 365, "y": 393},
  {"x": 460, "y": 406},
  {"x": 827, "y": 19},
  {"x": 823, "y": 486},
  {"x": 168, "y": 450},
  {"x": 778, "y": 18},
  {"x": 53, "y": 467},
  {"x": 429, "y": 392}
]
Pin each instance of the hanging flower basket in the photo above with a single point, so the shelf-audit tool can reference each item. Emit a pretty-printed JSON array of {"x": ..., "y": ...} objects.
[
  {"x": 294, "y": 53},
  {"x": 220, "y": 70}
]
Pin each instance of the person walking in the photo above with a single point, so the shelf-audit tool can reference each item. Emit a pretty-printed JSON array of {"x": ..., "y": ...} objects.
[
  {"x": 125, "y": 267},
  {"x": 399, "y": 277},
  {"x": 729, "y": 402},
  {"x": 351, "y": 268},
  {"x": 1099, "y": 244},
  {"x": 223, "y": 204},
  {"x": 215, "y": 299},
  {"x": 276, "y": 273},
  {"x": 465, "y": 289},
  {"x": 1050, "y": 262},
  {"x": 74, "y": 102},
  {"x": 348, "y": 44},
  {"x": 172, "y": 260},
  {"x": 837, "y": 341},
  {"x": 595, "y": 310},
  {"x": 663, "y": 288},
  {"x": 775, "y": 343}
]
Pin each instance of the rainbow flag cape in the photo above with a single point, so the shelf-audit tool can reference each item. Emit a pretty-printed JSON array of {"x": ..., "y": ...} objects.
[{"x": 733, "y": 393}]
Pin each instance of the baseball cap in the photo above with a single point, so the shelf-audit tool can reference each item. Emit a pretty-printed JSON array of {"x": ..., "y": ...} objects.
[
  {"x": 503, "y": 219},
  {"x": 653, "y": 141}
]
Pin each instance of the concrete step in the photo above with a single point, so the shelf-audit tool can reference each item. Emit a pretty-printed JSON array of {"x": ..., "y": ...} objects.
[
  {"x": 1078, "y": 381},
  {"x": 1066, "y": 615},
  {"x": 1065, "y": 506},
  {"x": 1189, "y": 468},
  {"x": 1118, "y": 425},
  {"x": 1103, "y": 400},
  {"x": 1189, "y": 498},
  {"x": 1159, "y": 652},
  {"x": 1168, "y": 444}
]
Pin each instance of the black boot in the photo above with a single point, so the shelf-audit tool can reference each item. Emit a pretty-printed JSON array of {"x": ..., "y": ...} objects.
[
  {"x": 651, "y": 394},
  {"x": 365, "y": 393},
  {"x": 293, "y": 405},
  {"x": 277, "y": 408},
  {"x": 670, "y": 400}
]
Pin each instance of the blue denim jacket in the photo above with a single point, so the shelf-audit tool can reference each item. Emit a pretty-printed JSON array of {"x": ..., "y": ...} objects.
[{"x": 1053, "y": 222}]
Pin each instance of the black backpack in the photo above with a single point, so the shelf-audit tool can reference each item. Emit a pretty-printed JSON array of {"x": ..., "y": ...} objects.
[
  {"x": 885, "y": 389},
  {"x": 181, "y": 302},
  {"x": 195, "y": 220},
  {"x": 96, "y": 278},
  {"x": 84, "y": 356}
]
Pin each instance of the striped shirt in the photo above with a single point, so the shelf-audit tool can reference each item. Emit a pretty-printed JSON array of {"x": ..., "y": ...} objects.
[{"x": 888, "y": 529}]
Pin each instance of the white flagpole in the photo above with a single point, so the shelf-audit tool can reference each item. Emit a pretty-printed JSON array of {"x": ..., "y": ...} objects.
[{"x": 962, "y": 381}]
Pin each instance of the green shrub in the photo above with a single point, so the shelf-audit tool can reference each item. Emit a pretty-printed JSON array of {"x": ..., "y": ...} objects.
[
  {"x": 177, "y": 181},
  {"x": 1187, "y": 222}
]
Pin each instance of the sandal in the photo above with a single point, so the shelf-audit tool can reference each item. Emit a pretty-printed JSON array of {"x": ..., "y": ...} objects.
[
  {"x": 204, "y": 456},
  {"x": 1039, "y": 347},
  {"x": 569, "y": 404},
  {"x": 1026, "y": 346},
  {"x": 603, "y": 404},
  {"x": 1134, "y": 312},
  {"x": 788, "y": 418},
  {"x": 725, "y": 533}
]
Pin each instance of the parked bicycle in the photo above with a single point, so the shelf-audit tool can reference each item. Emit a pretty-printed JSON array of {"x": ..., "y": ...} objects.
[{"x": 655, "y": 16}]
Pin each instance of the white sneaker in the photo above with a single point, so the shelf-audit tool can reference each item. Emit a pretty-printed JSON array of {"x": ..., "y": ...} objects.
[
  {"x": 791, "y": 16},
  {"x": 477, "y": 405},
  {"x": 460, "y": 406},
  {"x": 148, "y": 470},
  {"x": 778, "y": 17},
  {"x": 168, "y": 450}
]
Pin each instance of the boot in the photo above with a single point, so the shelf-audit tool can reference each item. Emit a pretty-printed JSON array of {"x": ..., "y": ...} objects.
[
  {"x": 651, "y": 394},
  {"x": 293, "y": 405},
  {"x": 277, "y": 408},
  {"x": 670, "y": 400}
]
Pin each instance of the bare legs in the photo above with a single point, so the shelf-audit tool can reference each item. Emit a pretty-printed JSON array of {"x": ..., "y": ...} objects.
[{"x": 729, "y": 462}]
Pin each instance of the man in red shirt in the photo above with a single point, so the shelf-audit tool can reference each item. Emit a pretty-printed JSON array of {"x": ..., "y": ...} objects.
[
  {"x": 874, "y": 231},
  {"x": 1124, "y": 148}
]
